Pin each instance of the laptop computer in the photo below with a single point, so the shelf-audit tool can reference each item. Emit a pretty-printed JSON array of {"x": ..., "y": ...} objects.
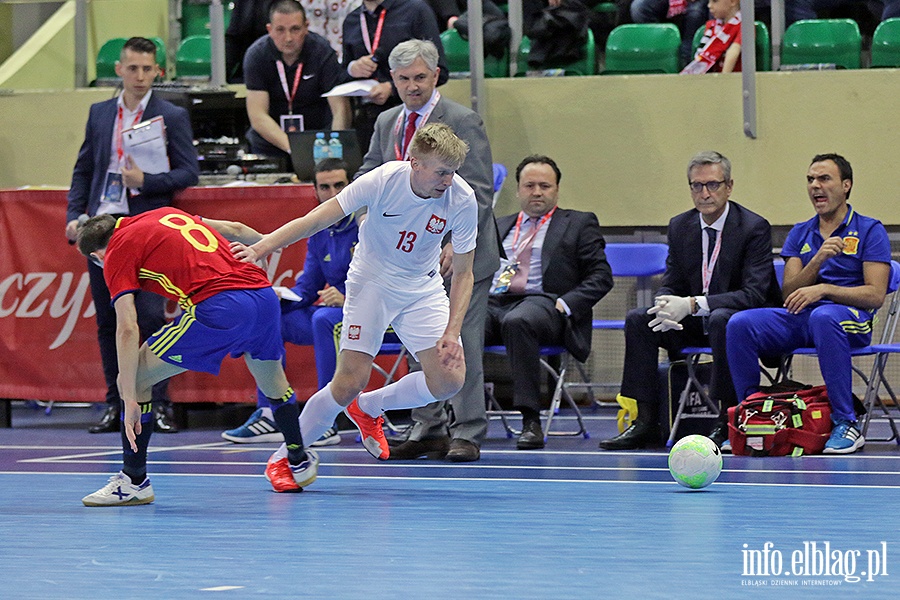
[{"x": 302, "y": 150}]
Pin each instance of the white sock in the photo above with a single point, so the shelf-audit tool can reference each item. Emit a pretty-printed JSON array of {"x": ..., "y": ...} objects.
[
  {"x": 410, "y": 392},
  {"x": 318, "y": 415}
]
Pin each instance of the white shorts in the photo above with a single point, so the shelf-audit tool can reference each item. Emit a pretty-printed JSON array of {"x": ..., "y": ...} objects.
[{"x": 419, "y": 319}]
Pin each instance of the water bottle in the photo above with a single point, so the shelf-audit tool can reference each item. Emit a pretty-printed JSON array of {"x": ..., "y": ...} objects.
[
  {"x": 320, "y": 148},
  {"x": 337, "y": 149}
]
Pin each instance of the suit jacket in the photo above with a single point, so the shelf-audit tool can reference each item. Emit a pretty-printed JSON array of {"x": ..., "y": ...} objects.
[
  {"x": 744, "y": 276},
  {"x": 89, "y": 175},
  {"x": 574, "y": 268},
  {"x": 477, "y": 170}
]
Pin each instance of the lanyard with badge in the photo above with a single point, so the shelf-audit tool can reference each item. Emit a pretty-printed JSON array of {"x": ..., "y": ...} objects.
[
  {"x": 290, "y": 121},
  {"x": 709, "y": 263},
  {"x": 113, "y": 198},
  {"x": 371, "y": 45},
  {"x": 401, "y": 118},
  {"x": 512, "y": 265}
]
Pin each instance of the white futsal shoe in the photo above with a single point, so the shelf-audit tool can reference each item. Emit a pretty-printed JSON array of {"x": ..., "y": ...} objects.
[{"x": 121, "y": 492}]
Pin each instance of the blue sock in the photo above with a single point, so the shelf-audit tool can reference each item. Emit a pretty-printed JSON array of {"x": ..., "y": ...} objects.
[
  {"x": 287, "y": 414},
  {"x": 135, "y": 463}
]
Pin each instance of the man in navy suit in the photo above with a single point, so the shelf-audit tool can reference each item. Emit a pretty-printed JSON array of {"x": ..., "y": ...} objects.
[
  {"x": 720, "y": 262},
  {"x": 545, "y": 290},
  {"x": 107, "y": 181}
]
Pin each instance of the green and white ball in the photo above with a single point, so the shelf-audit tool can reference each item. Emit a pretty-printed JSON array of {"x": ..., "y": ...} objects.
[{"x": 695, "y": 461}]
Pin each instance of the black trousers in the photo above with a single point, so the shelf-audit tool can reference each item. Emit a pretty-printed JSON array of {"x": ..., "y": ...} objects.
[
  {"x": 639, "y": 374},
  {"x": 524, "y": 323},
  {"x": 151, "y": 316}
]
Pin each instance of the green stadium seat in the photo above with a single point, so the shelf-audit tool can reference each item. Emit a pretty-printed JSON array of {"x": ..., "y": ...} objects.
[
  {"x": 160, "y": 55},
  {"x": 194, "y": 18},
  {"x": 763, "y": 46},
  {"x": 886, "y": 44},
  {"x": 822, "y": 41},
  {"x": 106, "y": 59},
  {"x": 457, "y": 51},
  {"x": 642, "y": 48},
  {"x": 585, "y": 66},
  {"x": 193, "y": 57}
]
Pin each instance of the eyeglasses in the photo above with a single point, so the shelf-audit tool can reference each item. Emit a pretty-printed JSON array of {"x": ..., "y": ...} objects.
[{"x": 711, "y": 186}]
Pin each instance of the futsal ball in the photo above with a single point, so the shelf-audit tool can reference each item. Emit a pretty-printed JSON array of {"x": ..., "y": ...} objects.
[{"x": 695, "y": 461}]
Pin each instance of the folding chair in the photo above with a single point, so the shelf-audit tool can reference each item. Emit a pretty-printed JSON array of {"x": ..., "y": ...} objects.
[
  {"x": 390, "y": 349},
  {"x": 634, "y": 260},
  {"x": 559, "y": 392}
]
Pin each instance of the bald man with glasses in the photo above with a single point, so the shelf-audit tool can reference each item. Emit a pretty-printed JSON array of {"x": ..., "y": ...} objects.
[{"x": 720, "y": 262}]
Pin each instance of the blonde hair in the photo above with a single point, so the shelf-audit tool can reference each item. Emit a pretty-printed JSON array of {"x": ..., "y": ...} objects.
[{"x": 437, "y": 140}]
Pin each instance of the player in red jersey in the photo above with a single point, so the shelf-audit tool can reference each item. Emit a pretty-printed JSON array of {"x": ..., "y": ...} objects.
[{"x": 229, "y": 308}]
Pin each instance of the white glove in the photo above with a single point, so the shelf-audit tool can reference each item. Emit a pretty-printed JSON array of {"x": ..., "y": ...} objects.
[
  {"x": 675, "y": 308},
  {"x": 663, "y": 324}
]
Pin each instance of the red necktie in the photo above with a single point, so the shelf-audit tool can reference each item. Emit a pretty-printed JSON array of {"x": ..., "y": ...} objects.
[
  {"x": 410, "y": 131},
  {"x": 520, "y": 277}
]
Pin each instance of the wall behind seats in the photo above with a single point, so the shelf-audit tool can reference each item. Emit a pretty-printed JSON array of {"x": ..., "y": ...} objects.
[{"x": 623, "y": 142}]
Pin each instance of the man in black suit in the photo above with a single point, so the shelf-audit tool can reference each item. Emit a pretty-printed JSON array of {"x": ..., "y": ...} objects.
[
  {"x": 105, "y": 180},
  {"x": 720, "y": 262},
  {"x": 544, "y": 293}
]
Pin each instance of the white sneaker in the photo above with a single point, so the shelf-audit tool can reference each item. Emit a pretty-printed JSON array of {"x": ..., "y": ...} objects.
[
  {"x": 121, "y": 492},
  {"x": 307, "y": 471},
  {"x": 331, "y": 437}
]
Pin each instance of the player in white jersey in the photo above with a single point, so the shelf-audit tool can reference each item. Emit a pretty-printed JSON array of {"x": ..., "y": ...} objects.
[{"x": 394, "y": 280}]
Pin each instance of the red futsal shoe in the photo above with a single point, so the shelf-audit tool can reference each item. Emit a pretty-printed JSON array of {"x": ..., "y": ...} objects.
[
  {"x": 371, "y": 429},
  {"x": 280, "y": 475}
]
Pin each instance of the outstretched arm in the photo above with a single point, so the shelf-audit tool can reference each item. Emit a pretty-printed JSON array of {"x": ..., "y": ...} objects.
[
  {"x": 316, "y": 220},
  {"x": 234, "y": 231},
  {"x": 128, "y": 341}
]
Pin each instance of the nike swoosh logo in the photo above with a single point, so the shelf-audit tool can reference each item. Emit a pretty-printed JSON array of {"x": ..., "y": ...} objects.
[
  {"x": 309, "y": 76},
  {"x": 384, "y": 214}
]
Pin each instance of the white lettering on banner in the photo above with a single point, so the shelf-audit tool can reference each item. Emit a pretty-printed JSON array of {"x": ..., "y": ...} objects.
[
  {"x": 62, "y": 305},
  {"x": 22, "y": 296},
  {"x": 71, "y": 309},
  {"x": 43, "y": 282},
  {"x": 4, "y": 288}
]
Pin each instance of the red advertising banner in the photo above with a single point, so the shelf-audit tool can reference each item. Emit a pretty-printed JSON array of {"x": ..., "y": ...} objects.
[{"x": 48, "y": 335}]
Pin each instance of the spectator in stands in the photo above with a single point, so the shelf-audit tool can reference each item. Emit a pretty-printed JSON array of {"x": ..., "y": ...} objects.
[
  {"x": 836, "y": 272},
  {"x": 720, "y": 47},
  {"x": 247, "y": 24},
  {"x": 106, "y": 181},
  {"x": 544, "y": 293},
  {"x": 414, "y": 68},
  {"x": 693, "y": 15},
  {"x": 287, "y": 71},
  {"x": 315, "y": 318},
  {"x": 812, "y": 9},
  {"x": 326, "y": 17},
  {"x": 719, "y": 263},
  {"x": 370, "y": 33}
]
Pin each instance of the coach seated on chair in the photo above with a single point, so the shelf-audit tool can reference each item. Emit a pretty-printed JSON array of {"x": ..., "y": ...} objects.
[
  {"x": 720, "y": 262},
  {"x": 836, "y": 270},
  {"x": 544, "y": 293}
]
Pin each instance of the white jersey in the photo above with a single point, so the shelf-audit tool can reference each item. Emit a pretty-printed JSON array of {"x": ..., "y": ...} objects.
[{"x": 400, "y": 240}]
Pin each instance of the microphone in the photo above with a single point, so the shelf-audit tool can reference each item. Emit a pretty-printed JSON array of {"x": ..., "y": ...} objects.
[{"x": 82, "y": 219}]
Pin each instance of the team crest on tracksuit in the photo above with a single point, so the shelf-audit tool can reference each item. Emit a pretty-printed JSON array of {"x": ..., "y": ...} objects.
[
  {"x": 436, "y": 224},
  {"x": 851, "y": 244},
  {"x": 353, "y": 332}
]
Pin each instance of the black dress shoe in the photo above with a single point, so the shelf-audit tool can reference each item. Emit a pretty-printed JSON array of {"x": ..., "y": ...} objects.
[
  {"x": 162, "y": 421},
  {"x": 433, "y": 448},
  {"x": 109, "y": 422},
  {"x": 637, "y": 436},
  {"x": 463, "y": 451},
  {"x": 531, "y": 438},
  {"x": 719, "y": 434}
]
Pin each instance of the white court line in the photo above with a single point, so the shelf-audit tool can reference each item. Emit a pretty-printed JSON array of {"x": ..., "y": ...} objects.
[
  {"x": 457, "y": 466},
  {"x": 491, "y": 479}
]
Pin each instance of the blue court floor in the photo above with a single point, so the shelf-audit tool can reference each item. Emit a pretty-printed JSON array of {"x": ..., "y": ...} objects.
[{"x": 569, "y": 521}]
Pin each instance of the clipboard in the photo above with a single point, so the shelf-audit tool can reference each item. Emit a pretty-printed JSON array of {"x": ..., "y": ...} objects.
[{"x": 146, "y": 144}]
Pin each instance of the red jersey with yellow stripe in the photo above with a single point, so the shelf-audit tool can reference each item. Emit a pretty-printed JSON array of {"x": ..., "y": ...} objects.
[{"x": 172, "y": 253}]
